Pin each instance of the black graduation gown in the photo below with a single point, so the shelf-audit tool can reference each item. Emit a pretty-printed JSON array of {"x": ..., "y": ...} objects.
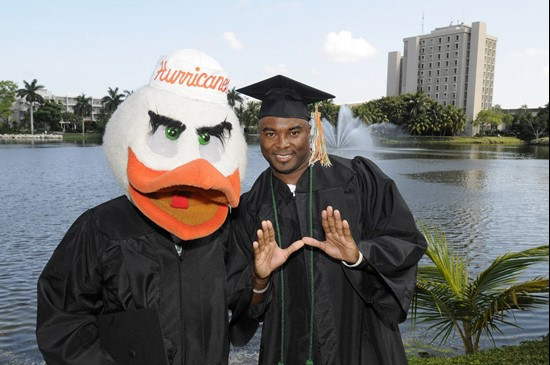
[
  {"x": 356, "y": 309},
  {"x": 116, "y": 287}
]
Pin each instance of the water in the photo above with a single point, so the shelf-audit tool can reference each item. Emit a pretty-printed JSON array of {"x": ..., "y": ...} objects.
[{"x": 489, "y": 199}]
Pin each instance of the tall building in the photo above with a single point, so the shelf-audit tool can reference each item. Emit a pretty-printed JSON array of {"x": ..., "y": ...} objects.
[{"x": 454, "y": 65}]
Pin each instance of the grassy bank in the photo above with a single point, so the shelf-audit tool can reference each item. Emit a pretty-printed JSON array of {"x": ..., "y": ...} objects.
[
  {"x": 527, "y": 353},
  {"x": 540, "y": 141},
  {"x": 89, "y": 137},
  {"x": 452, "y": 140}
]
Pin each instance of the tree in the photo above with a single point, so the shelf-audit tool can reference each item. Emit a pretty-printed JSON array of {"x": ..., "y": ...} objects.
[
  {"x": 489, "y": 119},
  {"x": 416, "y": 106},
  {"x": 83, "y": 108},
  {"x": 369, "y": 113},
  {"x": 234, "y": 98},
  {"x": 8, "y": 92},
  {"x": 112, "y": 100},
  {"x": 328, "y": 110},
  {"x": 449, "y": 298},
  {"x": 30, "y": 93},
  {"x": 49, "y": 114},
  {"x": 248, "y": 114}
]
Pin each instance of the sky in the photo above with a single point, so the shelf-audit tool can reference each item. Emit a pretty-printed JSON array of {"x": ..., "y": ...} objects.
[{"x": 341, "y": 47}]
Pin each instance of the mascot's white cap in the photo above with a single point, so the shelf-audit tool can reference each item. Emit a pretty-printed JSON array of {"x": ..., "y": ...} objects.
[{"x": 192, "y": 74}]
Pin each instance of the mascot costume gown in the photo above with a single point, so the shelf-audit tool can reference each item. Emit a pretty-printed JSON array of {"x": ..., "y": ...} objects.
[{"x": 144, "y": 278}]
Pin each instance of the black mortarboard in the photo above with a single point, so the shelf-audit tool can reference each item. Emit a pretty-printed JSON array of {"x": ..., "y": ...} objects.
[{"x": 284, "y": 97}]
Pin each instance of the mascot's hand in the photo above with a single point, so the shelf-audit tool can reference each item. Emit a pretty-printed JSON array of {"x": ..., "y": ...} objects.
[
  {"x": 268, "y": 256},
  {"x": 340, "y": 244}
]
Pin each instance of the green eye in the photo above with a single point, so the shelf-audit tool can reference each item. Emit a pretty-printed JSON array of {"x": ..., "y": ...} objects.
[
  {"x": 172, "y": 133},
  {"x": 204, "y": 138}
]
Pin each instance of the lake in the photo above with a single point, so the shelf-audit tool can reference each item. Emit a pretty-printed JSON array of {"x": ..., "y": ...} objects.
[{"x": 489, "y": 199}]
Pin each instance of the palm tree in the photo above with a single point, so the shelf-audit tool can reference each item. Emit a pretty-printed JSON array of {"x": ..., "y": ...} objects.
[
  {"x": 30, "y": 93},
  {"x": 112, "y": 100},
  {"x": 83, "y": 108},
  {"x": 446, "y": 295},
  {"x": 233, "y": 97}
]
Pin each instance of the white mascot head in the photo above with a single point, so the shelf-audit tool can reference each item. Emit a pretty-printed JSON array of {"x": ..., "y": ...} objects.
[{"x": 176, "y": 148}]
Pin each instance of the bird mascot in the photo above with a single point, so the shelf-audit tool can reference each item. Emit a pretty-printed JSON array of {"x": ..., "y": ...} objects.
[{"x": 141, "y": 279}]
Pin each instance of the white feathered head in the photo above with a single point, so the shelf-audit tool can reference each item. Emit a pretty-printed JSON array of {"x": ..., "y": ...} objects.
[{"x": 176, "y": 147}]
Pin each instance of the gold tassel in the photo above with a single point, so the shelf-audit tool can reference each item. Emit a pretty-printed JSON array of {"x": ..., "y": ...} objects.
[{"x": 318, "y": 145}]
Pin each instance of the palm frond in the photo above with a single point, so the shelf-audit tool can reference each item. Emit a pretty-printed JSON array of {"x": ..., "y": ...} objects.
[
  {"x": 452, "y": 266},
  {"x": 506, "y": 269}
]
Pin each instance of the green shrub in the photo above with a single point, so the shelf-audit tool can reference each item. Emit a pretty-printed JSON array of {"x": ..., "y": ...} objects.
[{"x": 526, "y": 353}]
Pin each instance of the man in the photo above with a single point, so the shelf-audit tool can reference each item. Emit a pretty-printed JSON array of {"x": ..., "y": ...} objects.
[{"x": 339, "y": 299}]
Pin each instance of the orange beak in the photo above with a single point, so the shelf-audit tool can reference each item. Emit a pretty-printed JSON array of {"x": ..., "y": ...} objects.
[{"x": 190, "y": 201}]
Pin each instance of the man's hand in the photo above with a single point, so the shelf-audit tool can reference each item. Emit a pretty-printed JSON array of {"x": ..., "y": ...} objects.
[
  {"x": 339, "y": 242},
  {"x": 268, "y": 256}
]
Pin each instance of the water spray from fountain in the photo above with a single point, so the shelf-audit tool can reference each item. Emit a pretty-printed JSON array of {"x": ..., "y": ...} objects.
[{"x": 353, "y": 134}]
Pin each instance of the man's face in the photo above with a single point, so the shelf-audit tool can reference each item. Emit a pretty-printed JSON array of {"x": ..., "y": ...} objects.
[{"x": 285, "y": 145}]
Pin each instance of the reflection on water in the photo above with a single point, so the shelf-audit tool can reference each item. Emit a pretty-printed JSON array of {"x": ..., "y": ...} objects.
[
  {"x": 488, "y": 199},
  {"x": 469, "y": 179}
]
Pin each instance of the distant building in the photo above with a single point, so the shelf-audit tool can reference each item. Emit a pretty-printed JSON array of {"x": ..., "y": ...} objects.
[
  {"x": 454, "y": 65},
  {"x": 21, "y": 106}
]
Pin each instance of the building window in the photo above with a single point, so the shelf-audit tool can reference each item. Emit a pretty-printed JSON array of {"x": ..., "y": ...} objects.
[
  {"x": 457, "y": 37},
  {"x": 456, "y": 62},
  {"x": 446, "y": 87},
  {"x": 446, "y": 63},
  {"x": 448, "y": 39},
  {"x": 437, "y": 96},
  {"x": 456, "y": 45},
  {"x": 444, "y": 103},
  {"x": 439, "y": 64},
  {"x": 439, "y": 48},
  {"x": 430, "y": 65},
  {"x": 455, "y": 70},
  {"x": 437, "y": 80},
  {"x": 454, "y": 78},
  {"x": 456, "y": 54},
  {"x": 429, "y": 73},
  {"x": 454, "y": 86},
  {"x": 436, "y": 87},
  {"x": 448, "y": 55},
  {"x": 446, "y": 79}
]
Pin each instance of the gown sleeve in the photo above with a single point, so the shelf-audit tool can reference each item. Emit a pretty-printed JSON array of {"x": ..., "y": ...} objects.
[
  {"x": 69, "y": 299},
  {"x": 245, "y": 317},
  {"x": 390, "y": 243}
]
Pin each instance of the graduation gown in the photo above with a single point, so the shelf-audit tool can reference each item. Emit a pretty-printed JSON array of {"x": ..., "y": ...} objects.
[
  {"x": 117, "y": 291},
  {"x": 357, "y": 310}
]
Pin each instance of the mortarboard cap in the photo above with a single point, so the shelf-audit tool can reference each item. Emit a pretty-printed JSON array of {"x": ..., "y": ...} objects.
[{"x": 284, "y": 97}]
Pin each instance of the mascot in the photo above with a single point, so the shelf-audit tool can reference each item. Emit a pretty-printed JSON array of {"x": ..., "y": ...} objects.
[{"x": 141, "y": 279}]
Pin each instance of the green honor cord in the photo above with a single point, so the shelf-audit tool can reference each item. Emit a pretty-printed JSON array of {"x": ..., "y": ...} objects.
[{"x": 309, "y": 361}]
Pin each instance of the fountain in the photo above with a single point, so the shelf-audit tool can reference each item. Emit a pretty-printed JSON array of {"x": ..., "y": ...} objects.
[{"x": 351, "y": 133}]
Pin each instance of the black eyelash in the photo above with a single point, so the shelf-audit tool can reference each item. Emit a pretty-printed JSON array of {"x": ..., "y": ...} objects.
[
  {"x": 158, "y": 120},
  {"x": 217, "y": 131}
]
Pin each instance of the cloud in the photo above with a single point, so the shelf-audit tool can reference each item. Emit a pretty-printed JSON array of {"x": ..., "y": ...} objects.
[
  {"x": 278, "y": 69},
  {"x": 233, "y": 42},
  {"x": 342, "y": 47}
]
